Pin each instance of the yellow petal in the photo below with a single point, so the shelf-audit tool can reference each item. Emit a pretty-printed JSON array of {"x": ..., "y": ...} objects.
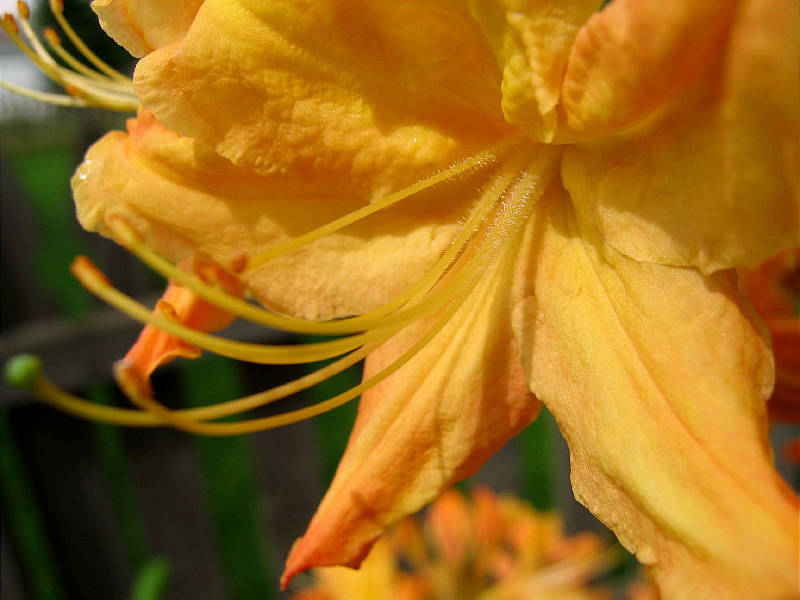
[
  {"x": 714, "y": 184},
  {"x": 367, "y": 92},
  {"x": 427, "y": 426},
  {"x": 141, "y": 26},
  {"x": 532, "y": 41},
  {"x": 227, "y": 212},
  {"x": 657, "y": 377}
]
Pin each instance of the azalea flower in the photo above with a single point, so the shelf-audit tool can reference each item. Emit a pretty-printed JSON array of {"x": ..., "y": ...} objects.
[
  {"x": 484, "y": 548},
  {"x": 498, "y": 203}
]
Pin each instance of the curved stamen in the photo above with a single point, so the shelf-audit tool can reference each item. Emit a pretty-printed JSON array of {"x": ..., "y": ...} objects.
[
  {"x": 57, "y": 8},
  {"x": 51, "y": 394},
  {"x": 54, "y": 41},
  {"x": 46, "y": 97},
  {"x": 370, "y": 320}
]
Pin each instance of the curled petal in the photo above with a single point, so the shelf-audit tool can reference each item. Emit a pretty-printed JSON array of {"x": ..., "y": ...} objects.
[
  {"x": 657, "y": 377},
  {"x": 636, "y": 56},
  {"x": 141, "y": 26}
]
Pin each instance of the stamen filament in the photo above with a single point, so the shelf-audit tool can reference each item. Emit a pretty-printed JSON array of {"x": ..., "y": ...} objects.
[
  {"x": 54, "y": 42},
  {"x": 49, "y": 393},
  {"x": 57, "y": 8},
  {"x": 95, "y": 282},
  {"x": 33, "y": 39},
  {"x": 46, "y": 97},
  {"x": 482, "y": 158}
]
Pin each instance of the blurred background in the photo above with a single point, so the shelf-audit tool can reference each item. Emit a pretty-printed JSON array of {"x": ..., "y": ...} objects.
[{"x": 93, "y": 511}]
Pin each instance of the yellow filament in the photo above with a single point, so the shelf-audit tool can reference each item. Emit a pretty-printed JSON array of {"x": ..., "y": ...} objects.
[
  {"x": 55, "y": 45},
  {"x": 80, "y": 407},
  {"x": 371, "y": 320},
  {"x": 482, "y": 158},
  {"x": 47, "y": 98},
  {"x": 57, "y": 9},
  {"x": 34, "y": 40}
]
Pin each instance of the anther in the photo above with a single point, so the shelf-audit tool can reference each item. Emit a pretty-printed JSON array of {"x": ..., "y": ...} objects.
[
  {"x": 10, "y": 24},
  {"x": 85, "y": 270},
  {"x": 52, "y": 36},
  {"x": 23, "y": 10}
]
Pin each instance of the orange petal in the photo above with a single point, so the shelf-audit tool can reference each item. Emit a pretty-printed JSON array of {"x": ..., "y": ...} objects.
[
  {"x": 430, "y": 424},
  {"x": 635, "y": 56},
  {"x": 156, "y": 347},
  {"x": 141, "y": 26},
  {"x": 657, "y": 377},
  {"x": 713, "y": 182}
]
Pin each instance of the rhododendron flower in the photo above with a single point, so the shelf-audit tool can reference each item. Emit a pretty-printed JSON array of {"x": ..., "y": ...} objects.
[
  {"x": 499, "y": 203},
  {"x": 484, "y": 548}
]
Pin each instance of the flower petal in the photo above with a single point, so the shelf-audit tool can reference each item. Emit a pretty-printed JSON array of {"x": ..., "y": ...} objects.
[
  {"x": 428, "y": 425},
  {"x": 532, "y": 42},
  {"x": 183, "y": 198},
  {"x": 367, "y": 92},
  {"x": 713, "y": 184},
  {"x": 155, "y": 347},
  {"x": 141, "y": 26},
  {"x": 635, "y": 56},
  {"x": 657, "y": 377}
]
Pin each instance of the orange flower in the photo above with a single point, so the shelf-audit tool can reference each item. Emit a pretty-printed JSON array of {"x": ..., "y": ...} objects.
[
  {"x": 488, "y": 548},
  {"x": 514, "y": 198}
]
